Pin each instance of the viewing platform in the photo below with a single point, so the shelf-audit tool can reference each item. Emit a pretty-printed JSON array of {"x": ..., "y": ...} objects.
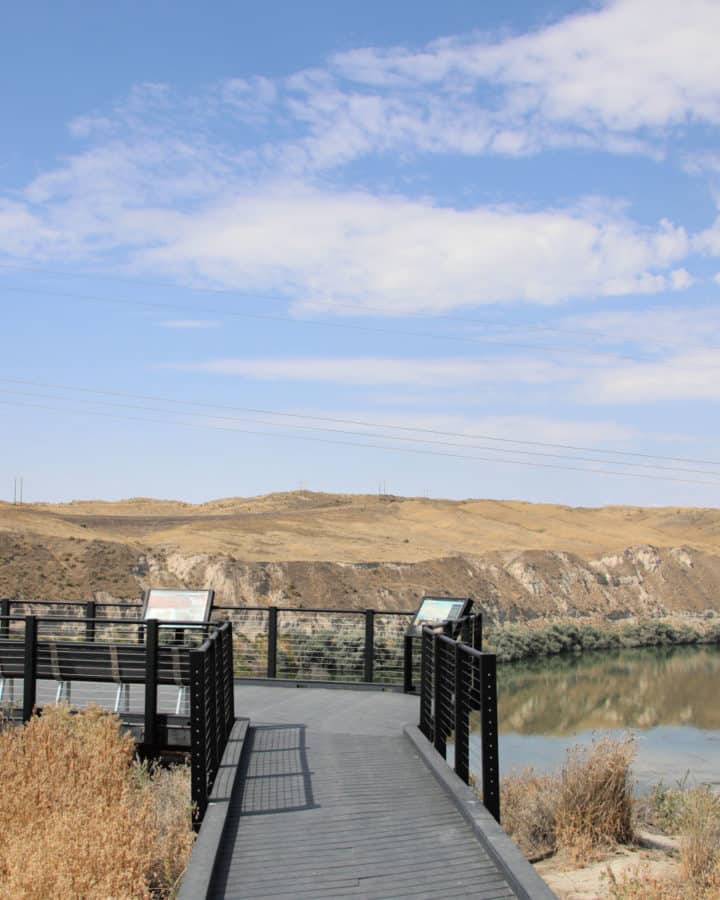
[
  {"x": 340, "y": 795},
  {"x": 328, "y": 783}
]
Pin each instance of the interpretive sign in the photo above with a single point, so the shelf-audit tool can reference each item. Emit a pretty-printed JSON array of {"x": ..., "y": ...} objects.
[
  {"x": 436, "y": 610},
  {"x": 170, "y": 605}
]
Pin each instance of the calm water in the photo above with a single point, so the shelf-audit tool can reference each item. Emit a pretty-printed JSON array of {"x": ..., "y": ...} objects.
[{"x": 669, "y": 698}]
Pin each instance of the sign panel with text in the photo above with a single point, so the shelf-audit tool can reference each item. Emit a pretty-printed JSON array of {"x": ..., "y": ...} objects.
[
  {"x": 171, "y": 605},
  {"x": 436, "y": 610}
]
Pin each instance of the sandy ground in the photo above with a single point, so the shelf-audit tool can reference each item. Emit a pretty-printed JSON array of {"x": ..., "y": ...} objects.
[{"x": 656, "y": 858}]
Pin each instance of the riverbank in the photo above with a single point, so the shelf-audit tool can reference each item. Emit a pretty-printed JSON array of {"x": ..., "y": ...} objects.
[
  {"x": 513, "y": 642},
  {"x": 592, "y": 836}
]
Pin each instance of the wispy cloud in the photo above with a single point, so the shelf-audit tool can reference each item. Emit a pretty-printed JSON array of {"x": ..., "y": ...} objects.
[
  {"x": 432, "y": 372},
  {"x": 597, "y": 76},
  {"x": 683, "y": 376},
  {"x": 189, "y": 324},
  {"x": 220, "y": 187}
]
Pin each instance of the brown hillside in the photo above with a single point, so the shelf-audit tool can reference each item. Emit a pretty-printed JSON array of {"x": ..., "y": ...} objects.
[{"x": 305, "y": 548}]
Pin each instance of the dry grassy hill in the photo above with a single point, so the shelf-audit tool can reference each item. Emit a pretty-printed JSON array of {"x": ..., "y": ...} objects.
[{"x": 304, "y": 548}]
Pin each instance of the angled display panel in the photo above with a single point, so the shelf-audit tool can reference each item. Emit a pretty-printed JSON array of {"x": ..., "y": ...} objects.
[
  {"x": 171, "y": 605},
  {"x": 436, "y": 610}
]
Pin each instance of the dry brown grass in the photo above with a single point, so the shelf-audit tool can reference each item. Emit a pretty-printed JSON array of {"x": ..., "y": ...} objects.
[
  {"x": 81, "y": 819},
  {"x": 528, "y": 809},
  {"x": 588, "y": 805},
  {"x": 700, "y": 841},
  {"x": 640, "y": 884},
  {"x": 595, "y": 797}
]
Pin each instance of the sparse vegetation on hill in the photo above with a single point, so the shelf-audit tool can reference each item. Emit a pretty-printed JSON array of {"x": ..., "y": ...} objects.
[{"x": 519, "y": 561}]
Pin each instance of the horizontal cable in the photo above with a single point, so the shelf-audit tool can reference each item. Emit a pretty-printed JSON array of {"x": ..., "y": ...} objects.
[
  {"x": 343, "y": 326},
  {"x": 363, "y": 423}
]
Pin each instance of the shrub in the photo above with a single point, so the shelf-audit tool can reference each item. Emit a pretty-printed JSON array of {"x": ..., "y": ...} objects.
[
  {"x": 80, "y": 819},
  {"x": 595, "y": 797},
  {"x": 587, "y": 805},
  {"x": 700, "y": 839},
  {"x": 515, "y": 641},
  {"x": 529, "y": 803}
]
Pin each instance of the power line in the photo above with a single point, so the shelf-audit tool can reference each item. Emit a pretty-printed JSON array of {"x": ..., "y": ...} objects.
[
  {"x": 360, "y": 422},
  {"x": 216, "y": 416},
  {"x": 230, "y": 292},
  {"x": 383, "y": 447},
  {"x": 283, "y": 298},
  {"x": 343, "y": 326}
]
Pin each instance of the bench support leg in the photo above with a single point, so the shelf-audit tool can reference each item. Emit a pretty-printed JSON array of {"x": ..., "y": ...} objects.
[
  {"x": 63, "y": 692},
  {"x": 122, "y": 698}
]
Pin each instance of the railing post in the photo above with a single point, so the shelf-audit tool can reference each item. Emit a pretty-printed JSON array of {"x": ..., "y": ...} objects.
[
  {"x": 462, "y": 725},
  {"x": 30, "y": 662},
  {"x": 408, "y": 664},
  {"x": 215, "y": 669},
  {"x": 231, "y": 676},
  {"x": 477, "y": 632},
  {"x": 198, "y": 762},
  {"x": 90, "y": 616},
  {"x": 151, "y": 653},
  {"x": 369, "y": 652},
  {"x": 272, "y": 642},
  {"x": 425, "y": 699},
  {"x": 4, "y": 618},
  {"x": 489, "y": 734},
  {"x": 438, "y": 704},
  {"x": 477, "y": 640}
]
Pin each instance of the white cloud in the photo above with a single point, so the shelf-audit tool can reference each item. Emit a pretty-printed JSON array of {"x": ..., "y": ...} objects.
[
  {"x": 683, "y": 375},
  {"x": 687, "y": 376},
  {"x": 657, "y": 328},
  {"x": 399, "y": 255},
  {"x": 708, "y": 241},
  {"x": 162, "y": 188},
  {"x": 631, "y": 64},
  {"x": 433, "y": 372},
  {"x": 519, "y": 428}
]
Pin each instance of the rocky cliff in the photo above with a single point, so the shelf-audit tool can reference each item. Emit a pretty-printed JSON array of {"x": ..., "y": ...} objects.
[{"x": 508, "y": 585}]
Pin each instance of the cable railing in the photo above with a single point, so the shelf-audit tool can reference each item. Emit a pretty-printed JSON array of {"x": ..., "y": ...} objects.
[
  {"x": 212, "y": 711},
  {"x": 458, "y": 704},
  {"x": 170, "y": 683},
  {"x": 312, "y": 644}
]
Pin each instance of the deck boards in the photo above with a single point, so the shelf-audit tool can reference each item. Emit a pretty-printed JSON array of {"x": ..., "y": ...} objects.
[{"x": 325, "y": 811}]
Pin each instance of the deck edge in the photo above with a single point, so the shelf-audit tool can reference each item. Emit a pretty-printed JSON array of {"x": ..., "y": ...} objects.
[
  {"x": 197, "y": 880},
  {"x": 520, "y": 874}
]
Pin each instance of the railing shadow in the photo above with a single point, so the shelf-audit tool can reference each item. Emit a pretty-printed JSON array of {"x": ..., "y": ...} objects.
[{"x": 275, "y": 776}]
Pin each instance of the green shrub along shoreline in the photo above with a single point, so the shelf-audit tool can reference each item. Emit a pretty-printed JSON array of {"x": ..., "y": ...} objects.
[{"x": 516, "y": 642}]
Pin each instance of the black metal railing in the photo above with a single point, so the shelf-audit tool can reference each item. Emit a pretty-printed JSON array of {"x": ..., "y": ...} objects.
[
  {"x": 97, "y": 661},
  {"x": 458, "y": 704},
  {"x": 212, "y": 711},
  {"x": 315, "y": 644}
]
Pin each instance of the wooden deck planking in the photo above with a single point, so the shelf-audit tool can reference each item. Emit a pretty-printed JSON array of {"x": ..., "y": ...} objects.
[{"x": 327, "y": 811}]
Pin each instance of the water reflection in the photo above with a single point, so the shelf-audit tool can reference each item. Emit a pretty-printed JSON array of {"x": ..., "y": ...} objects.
[{"x": 636, "y": 689}]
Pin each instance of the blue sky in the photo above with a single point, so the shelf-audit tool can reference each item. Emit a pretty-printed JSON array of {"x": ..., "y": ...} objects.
[{"x": 462, "y": 249}]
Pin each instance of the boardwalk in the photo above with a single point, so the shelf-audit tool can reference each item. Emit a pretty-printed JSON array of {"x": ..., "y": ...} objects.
[{"x": 335, "y": 802}]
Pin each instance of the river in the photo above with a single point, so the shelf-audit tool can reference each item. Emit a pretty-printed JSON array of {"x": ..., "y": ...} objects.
[{"x": 669, "y": 698}]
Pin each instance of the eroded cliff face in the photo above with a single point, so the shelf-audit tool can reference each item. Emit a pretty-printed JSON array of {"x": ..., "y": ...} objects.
[{"x": 512, "y": 585}]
